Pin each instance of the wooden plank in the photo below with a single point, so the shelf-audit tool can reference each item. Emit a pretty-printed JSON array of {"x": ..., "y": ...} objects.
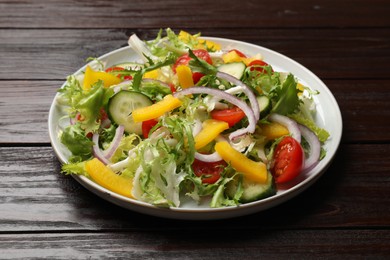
[
  {"x": 25, "y": 106},
  {"x": 201, "y": 244},
  {"x": 331, "y": 54},
  {"x": 54, "y": 54},
  {"x": 35, "y": 196},
  {"x": 201, "y": 14},
  {"x": 24, "y": 110}
]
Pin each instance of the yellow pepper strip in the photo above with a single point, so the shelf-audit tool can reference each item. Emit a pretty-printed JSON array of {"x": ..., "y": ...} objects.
[
  {"x": 108, "y": 179},
  {"x": 232, "y": 56},
  {"x": 91, "y": 77},
  {"x": 185, "y": 36},
  {"x": 203, "y": 44},
  {"x": 211, "y": 129},
  {"x": 254, "y": 171},
  {"x": 184, "y": 75},
  {"x": 167, "y": 104},
  {"x": 273, "y": 130},
  {"x": 151, "y": 74},
  {"x": 212, "y": 46},
  {"x": 300, "y": 88}
]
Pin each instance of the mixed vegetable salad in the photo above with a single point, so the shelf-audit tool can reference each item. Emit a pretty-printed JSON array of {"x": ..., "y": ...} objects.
[{"x": 190, "y": 120}]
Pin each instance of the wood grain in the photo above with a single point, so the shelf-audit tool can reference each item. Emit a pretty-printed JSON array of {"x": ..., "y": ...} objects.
[
  {"x": 329, "y": 53},
  {"x": 195, "y": 14},
  {"x": 277, "y": 244}
]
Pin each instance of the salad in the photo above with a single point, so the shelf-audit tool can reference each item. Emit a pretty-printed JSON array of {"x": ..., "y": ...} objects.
[{"x": 189, "y": 120}]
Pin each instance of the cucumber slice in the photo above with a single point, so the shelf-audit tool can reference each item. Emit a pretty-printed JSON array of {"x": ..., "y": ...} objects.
[
  {"x": 252, "y": 190},
  {"x": 265, "y": 105},
  {"x": 122, "y": 104},
  {"x": 236, "y": 69}
]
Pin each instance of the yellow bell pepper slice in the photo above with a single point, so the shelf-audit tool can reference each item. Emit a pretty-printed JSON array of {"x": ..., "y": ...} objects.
[
  {"x": 273, "y": 130},
  {"x": 211, "y": 129},
  {"x": 158, "y": 109},
  {"x": 254, "y": 171},
  {"x": 212, "y": 46},
  {"x": 108, "y": 179},
  {"x": 91, "y": 77},
  {"x": 184, "y": 75},
  {"x": 232, "y": 56},
  {"x": 152, "y": 74},
  {"x": 203, "y": 44}
]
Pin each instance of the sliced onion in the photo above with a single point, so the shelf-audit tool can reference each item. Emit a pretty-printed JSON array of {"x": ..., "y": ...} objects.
[
  {"x": 214, "y": 157},
  {"x": 230, "y": 98},
  {"x": 115, "y": 142},
  {"x": 246, "y": 89},
  {"x": 96, "y": 150},
  {"x": 140, "y": 48},
  {"x": 197, "y": 127},
  {"x": 291, "y": 125},
  {"x": 315, "y": 147}
]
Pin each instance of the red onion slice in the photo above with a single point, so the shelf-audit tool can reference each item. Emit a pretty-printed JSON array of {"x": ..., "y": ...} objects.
[
  {"x": 96, "y": 150},
  {"x": 214, "y": 157},
  {"x": 228, "y": 97},
  {"x": 115, "y": 142},
  {"x": 246, "y": 89},
  {"x": 315, "y": 147},
  {"x": 291, "y": 125}
]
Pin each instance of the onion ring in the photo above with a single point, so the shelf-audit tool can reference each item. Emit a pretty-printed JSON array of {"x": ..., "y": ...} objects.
[{"x": 291, "y": 125}]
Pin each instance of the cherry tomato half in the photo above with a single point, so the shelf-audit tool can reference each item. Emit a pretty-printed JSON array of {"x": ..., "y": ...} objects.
[
  {"x": 185, "y": 58},
  {"x": 196, "y": 76},
  {"x": 258, "y": 65},
  {"x": 147, "y": 126},
  {"x": 288, "y": 160},
  {"x": 231, "y": 116},
  {"x": 210, "y": 172}
]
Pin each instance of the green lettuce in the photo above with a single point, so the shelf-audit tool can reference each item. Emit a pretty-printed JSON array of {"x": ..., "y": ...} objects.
[
  {"x": 286, "y": 97},
  {"x": 73, "y": 137}
]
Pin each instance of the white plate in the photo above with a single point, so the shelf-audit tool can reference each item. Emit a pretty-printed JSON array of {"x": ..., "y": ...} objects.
[{"x": 328, "y": 116}]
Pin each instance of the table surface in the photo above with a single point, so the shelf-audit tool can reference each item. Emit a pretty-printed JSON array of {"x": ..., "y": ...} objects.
[{"x": 345, "y": 214}]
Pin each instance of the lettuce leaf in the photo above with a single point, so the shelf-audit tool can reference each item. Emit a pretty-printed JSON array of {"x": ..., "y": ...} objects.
[
  {"x": 73, "y": 137},
  {"x": 321, "y": 133},
  {"x": 286, "y": 97}
]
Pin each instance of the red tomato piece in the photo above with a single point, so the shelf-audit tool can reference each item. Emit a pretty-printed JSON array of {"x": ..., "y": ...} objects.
[
  {"x": 114, "y": 69},
  {"x": 231, "y": 116},
  {"x": 125, "y": 77},
  {"x": 185, "y": 58},
  {"x": 288, "y": 160},
  {"x": 196, "y": 76},
  {"x": 147, "y": 126},
  {"x": 210, "y": 172},
  {"x": 173, "y": 88},
  {"x": 204, "y": 55},
  {"x": 242, "y": 55},
  {"x": 182, "y": 60},
  {"x": 258, "y": 65}
]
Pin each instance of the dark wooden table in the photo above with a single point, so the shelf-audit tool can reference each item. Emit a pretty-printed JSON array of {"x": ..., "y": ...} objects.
[{"x": 345, "y": 214}]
